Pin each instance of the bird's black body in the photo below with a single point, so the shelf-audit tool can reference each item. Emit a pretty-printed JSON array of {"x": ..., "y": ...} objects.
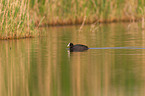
[{"x": 77, "y": 47}]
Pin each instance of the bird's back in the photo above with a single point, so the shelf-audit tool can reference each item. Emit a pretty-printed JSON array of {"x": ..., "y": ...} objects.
[{"x": 79, "y": 47}]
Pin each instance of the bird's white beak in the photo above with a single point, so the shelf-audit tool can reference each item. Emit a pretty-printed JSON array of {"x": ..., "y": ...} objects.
[{"x": 68, "y": 45}]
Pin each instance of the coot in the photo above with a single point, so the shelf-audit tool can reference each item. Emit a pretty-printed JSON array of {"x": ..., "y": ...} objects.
[{"x": 77, "y": 47}]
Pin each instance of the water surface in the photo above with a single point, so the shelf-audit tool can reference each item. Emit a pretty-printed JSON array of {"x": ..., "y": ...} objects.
[{"x": 113, "y": 66}]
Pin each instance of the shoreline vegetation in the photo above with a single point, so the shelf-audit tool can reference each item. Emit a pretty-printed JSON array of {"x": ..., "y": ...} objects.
[
  {"x": 71, "y": 12},
  {"x": 21, "y": 18},
  {"x": 15, "y": 21}
]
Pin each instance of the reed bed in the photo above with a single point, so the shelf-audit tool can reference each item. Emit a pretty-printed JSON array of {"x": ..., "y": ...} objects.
[
  {"x": 15, "y": 19},
  {"x": 64, "y": 12},
  {"x": 20, "y": 18}
]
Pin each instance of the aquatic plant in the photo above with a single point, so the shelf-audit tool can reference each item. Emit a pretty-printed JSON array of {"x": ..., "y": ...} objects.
[
  {"x": 62, "y": 12},
  {"x": 15, "y": 19},
  {"x": 18, "y": 17}
]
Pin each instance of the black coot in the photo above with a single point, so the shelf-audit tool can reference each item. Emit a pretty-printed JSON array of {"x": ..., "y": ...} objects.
[{"x": 77, "y": 47}]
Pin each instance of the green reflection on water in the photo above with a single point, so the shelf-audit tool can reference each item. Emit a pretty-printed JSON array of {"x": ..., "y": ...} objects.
[{"x": 44, "y": 67}]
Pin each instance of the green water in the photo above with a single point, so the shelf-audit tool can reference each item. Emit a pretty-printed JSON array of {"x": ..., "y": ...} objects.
[{"x": 44, "y": 67}]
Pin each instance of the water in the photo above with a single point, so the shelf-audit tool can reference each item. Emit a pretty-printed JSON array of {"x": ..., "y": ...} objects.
[{"x": 113, "y": 66}]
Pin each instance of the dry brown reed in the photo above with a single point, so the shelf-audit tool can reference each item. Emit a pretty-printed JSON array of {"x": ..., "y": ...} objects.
[
  {"x": 15, "y": 19},
  {"x": 62, "y": 12}
]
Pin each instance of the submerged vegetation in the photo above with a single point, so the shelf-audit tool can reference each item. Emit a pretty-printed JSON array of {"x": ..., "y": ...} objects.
[{"x": 18, "y": 17}]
